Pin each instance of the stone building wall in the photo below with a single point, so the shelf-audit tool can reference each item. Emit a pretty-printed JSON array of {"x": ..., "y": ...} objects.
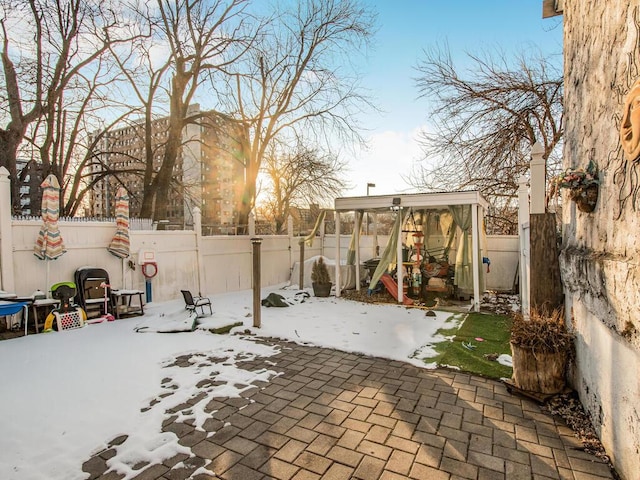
[{"x": 600, "y": 260}]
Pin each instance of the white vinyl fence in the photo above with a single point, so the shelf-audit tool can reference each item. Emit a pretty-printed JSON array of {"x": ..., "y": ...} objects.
[
  {"x": 185, "y": 259},
  {"x": 225, "y": 261}
]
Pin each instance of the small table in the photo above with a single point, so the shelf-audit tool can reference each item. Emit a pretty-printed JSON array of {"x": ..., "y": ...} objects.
[
  {"x": 122, "y": 302},
  {"x": 48, "y": 303}
]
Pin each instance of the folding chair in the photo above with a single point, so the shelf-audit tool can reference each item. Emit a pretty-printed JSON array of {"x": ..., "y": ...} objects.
[{"x": 192, "y": 303}]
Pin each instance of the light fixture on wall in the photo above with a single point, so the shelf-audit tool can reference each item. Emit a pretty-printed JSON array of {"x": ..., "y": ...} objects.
[{"x": 395, "y": 203}]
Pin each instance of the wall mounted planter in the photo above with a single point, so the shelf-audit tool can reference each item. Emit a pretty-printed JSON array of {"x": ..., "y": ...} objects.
[{"x": 585, "y": 197}]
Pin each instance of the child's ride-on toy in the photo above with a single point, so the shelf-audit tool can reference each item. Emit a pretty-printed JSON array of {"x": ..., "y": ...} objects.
[{"x": 67, "y": 315}]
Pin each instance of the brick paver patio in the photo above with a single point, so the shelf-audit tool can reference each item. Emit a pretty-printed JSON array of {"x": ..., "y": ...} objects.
[{"x": 334, "y": 415}]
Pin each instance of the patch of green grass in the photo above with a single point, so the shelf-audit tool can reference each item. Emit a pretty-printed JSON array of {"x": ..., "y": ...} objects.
[
  {"x": 455, "y": 321},
  {"x": 493, "y": 329}
]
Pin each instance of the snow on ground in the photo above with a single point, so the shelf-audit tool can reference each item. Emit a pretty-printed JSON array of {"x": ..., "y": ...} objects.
[{"x": 66, "y": 395}]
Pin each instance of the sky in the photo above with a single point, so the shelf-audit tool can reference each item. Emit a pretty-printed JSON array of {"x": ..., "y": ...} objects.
[
  {"x": 67, "y": 394},
  {"x": 406, "y": 28}
]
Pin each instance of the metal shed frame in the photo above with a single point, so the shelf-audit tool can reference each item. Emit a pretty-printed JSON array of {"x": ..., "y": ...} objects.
[{"x": 422, "y": 201}]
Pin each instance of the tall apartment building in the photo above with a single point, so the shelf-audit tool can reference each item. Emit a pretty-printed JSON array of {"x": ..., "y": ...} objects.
[
  {"x": 207, "y": 172},
  {"x": 30, "y": 177}
]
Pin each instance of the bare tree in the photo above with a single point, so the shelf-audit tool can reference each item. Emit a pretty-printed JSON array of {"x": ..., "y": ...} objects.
[
  {"x": 51, "y": 73},
  {"x": 296, "y": 79},
  {"x": 485, "y": 122},
  {"x": 145, "y": 72},
  {"x": 299, "y": 178},
  {"x": 203, "y": 37}
]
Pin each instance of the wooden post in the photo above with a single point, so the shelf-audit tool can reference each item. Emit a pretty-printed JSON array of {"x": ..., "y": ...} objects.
[
  {"x": 301, "y": 282},
  {"x": 546, "y": 285},
  {"x": 256, "y": 242}
]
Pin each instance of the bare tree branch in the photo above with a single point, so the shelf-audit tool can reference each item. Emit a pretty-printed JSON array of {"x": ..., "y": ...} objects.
[
  {"x": 202, "y": 36},
  {"x": 46, "y": 70},
  {"x": 296, "y": 80},
  {"x": 486, "y": 122},
  {"x": 299, "y": 178}
]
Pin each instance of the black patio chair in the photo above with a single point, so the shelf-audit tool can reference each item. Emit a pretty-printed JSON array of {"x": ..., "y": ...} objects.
[{"x": 192, "y": 303}]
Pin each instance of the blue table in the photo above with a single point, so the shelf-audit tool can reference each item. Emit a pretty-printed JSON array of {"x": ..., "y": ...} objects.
[{"x": 11, "y": 308}]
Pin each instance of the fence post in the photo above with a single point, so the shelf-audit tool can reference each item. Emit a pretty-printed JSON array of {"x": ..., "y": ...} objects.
[
  {"x": 252, "y": 224},
  {"x": 356, "y": 234},
  {"x": 7, "y": 281},
  {"x": 337, "y": 273},
  {"x": 538, "y": 179},
  {"x": 523, "y": 200},
  {"x": 289, "y": 226},
  {"x": 523, "y": 234},
  {"x": 197, "y": 227},
  {"x": 256, "y": 241}
]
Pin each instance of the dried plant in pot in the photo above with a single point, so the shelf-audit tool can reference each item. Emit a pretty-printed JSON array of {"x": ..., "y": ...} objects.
[
  {"x": 541, "y": 348},
  {"x": 320, "y": 279}
]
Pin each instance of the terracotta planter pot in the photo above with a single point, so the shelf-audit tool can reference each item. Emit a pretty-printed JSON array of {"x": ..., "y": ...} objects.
[
  {"x": 321, "y": 289},
  {"x": 540, "y": 372},
  {"x": 585, "y": 197}
]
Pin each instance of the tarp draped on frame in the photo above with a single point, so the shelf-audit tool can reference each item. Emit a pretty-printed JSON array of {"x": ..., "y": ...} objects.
[
  {"x": 308, "y": 240},
  {"x": 351, "y": 253},
  {"x": 389, "y": 255},
  {"x": 464, "y": 257},
  {"x": 436, "y": 246},
  {"x": 462, "y": 219},
  {"x": 439, "y": 233}
]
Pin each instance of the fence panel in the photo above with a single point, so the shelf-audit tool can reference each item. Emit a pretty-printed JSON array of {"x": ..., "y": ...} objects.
[
  {"x": 503, "y": 251},
  {"x": 226, "y": 260}
]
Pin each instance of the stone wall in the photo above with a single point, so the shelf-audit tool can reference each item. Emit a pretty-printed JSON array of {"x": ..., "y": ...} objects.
[{"x": 600, "y": 256}]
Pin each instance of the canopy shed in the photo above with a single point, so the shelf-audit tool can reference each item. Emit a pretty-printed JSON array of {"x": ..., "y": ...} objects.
[{"x": 465, "y": 209}]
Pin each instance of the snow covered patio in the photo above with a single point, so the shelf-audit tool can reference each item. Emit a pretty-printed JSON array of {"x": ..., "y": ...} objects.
[{"x": 107, "y": 402}]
